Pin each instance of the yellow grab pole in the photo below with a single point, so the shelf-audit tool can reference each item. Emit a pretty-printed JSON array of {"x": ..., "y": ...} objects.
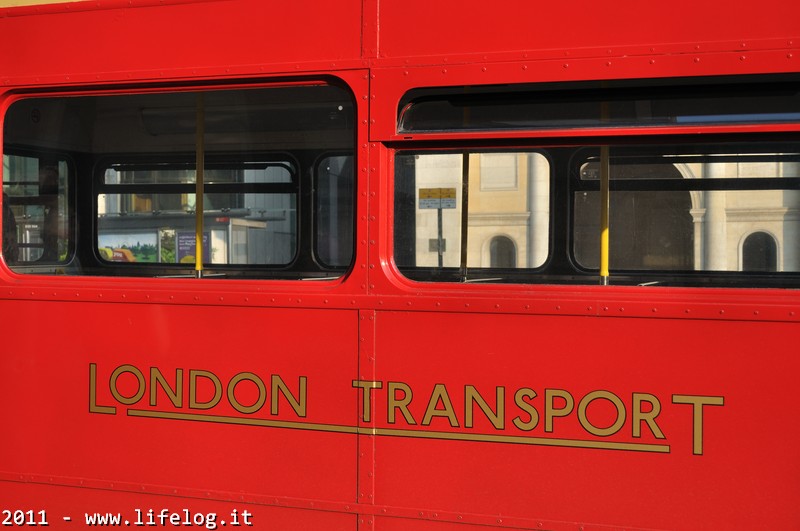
[
  {"x": 198, "y": 193},
  {"x": 605, "y": 170}
]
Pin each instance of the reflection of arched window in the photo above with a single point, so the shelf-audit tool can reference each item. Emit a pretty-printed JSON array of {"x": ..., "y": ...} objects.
[
  {"x": 759, "y": 253},
  {"x": 502, "y": 252}
]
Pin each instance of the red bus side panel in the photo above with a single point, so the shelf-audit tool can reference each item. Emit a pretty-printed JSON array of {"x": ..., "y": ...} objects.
[
  {"x": 570, "y": 419},
  {"x": 162, "y": 405}
]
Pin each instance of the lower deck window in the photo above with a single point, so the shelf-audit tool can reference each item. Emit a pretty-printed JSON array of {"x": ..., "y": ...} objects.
[
  {"x": 721, "y": 213},
  {"x": 262, "y": 179}
]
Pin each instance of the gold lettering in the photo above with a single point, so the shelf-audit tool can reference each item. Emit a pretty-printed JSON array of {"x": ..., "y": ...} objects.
[
  {"x": 112, "y": 383},
  {"x": 400, "y": 403},
  {"x": 591, "y": 428},
  {"x": 519, "y": 399},
  {"x": 440, "y": 395},
  {"x": 193, "y": 402},
  {"x": 648, "y": 417},
  {"x": 298, "y": 403},
  {"x": 93, "y": 407},
  {"x": 175, "y": 395},
  {"x": 472, "y": 397},
  {"x": 262, "y": 392},
  {"x": 366, "y": 396},
  {"x": 550, "y": 411},
  {"x": 697, "y": 425}
]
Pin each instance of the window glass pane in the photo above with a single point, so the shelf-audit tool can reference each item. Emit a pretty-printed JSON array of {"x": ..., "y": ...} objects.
[
  {"x": 335, "y": 201},
  {"x": 171, "y": 173},
  {"x": 695, "y": 166},
  {"x": 249, "y": 229},
  {"x": 693, "y": 212},
  {"x": 649, "y": 230},
  {"x": 35, "y": 210},
  {"x": 503, "y": 224},
  {"x": 595, "y": 104}
]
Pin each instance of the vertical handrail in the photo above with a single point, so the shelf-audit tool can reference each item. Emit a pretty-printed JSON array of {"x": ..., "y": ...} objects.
[
  {"x": 198, "y": 194},
  {"x": 464, "y": 213},
  {"x": 605, "y": 197}
]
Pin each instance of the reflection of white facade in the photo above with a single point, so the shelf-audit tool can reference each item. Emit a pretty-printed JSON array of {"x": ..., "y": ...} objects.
[
  {"x": 509, "y": 211},
  {"x": 724, "y": 220},
  {"x": 508, "y": 199}
]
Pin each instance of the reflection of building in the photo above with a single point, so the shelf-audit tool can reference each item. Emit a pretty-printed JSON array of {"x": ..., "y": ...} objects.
[
  {"x": 502, "y": 230},
  {"x": 239, "y": 228},
  {"x": 748, "y": 229},
  {"x": 654, "y": 226},
  {"x": 509, "y": 210}
]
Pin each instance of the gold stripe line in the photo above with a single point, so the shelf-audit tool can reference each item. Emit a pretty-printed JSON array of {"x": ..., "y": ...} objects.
[
  {"x": 393, "y": 432},
  {"x": 243, "y": 421}
]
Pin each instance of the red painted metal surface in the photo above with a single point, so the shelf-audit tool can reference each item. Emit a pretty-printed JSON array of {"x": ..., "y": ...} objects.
[{"x": 89, "y": 426}]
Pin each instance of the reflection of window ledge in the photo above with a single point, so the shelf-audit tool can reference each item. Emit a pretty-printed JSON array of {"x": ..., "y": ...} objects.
[
  {"x": 502, "y": 219},
  {"x": 762, "y": 214}
]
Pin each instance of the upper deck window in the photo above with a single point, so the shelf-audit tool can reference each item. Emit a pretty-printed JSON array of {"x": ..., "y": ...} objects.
[
  {"x": 259, "y": 182},
  {"x": 599, "y": 105}
]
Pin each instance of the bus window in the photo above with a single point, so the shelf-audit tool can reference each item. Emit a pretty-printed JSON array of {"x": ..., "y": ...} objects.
[
  {"x": 335, "y": 201},
  {"x": 601, "y": 104},
  {"x": 35, "y": 194},
  {"x": 273, "y": 164},
  {"x": 461, "y": 216}
]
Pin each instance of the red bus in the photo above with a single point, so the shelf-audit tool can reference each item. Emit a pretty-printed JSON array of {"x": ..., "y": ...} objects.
[{"x": 400, "y": 265}]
